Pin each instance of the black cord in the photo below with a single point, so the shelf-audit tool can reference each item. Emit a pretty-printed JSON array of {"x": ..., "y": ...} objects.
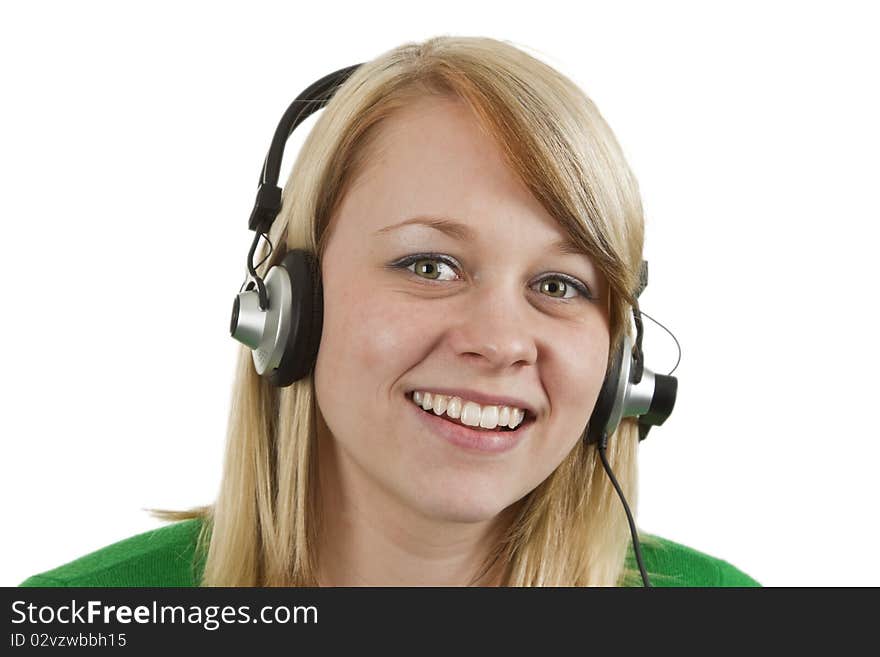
[
  {"x": 632, "y": 525},
  {"x": 266, "y": 257},
  {"x": 678, "y": 346},
  {"x": 259, "y": 264},
  {"x": 261, "y": 288}
]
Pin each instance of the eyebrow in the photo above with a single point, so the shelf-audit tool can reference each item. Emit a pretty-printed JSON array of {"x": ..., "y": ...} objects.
[{"x": 464, "y": 233}]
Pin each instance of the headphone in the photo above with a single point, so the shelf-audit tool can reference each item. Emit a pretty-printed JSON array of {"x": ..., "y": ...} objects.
[{"x": 280, "y": 318}]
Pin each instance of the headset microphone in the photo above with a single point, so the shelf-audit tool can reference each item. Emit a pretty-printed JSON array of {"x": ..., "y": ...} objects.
[{"x": 280, "y": 318}]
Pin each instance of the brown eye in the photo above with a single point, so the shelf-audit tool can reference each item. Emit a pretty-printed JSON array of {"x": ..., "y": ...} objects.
[
  {"x": 555, "y": 287},
  {"x": 431, "y": 268},
  {"x": 427, "y": 268}
]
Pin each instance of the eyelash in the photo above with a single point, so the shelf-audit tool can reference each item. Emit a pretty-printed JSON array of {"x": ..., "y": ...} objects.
[{"x": 405, "y": 262}]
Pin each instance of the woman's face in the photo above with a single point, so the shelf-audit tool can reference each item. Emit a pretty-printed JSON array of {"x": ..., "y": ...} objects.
[{"x": 486, "y": 313}]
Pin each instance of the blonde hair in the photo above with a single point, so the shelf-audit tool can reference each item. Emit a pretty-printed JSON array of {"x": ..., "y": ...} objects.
[{"x": 569, "y": 531}]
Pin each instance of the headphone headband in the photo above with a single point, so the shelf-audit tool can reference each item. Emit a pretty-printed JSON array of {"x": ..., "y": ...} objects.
[{"x": 310, "y": 100}]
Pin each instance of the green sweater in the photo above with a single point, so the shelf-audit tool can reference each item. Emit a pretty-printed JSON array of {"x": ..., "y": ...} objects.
[{"x": 165, "y": 557}]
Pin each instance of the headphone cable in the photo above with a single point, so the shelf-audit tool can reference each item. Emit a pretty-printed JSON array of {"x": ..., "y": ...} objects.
[
  {"x": 252, "y": 268},
  {"x": 632, "y": 526},
  {"x": 677, "y": 345}
]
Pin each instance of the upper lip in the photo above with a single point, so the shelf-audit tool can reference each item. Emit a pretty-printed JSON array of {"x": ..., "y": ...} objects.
[{"x": 481, "y": 398}]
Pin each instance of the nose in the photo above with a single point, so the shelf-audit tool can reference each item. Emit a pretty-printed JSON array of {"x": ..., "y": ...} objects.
[{"x": 494, "y": 331}]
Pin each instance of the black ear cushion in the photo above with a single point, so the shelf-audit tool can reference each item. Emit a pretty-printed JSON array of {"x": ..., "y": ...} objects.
[
  {"x": 605, "y": 401},
  {"x": 306, "y": 315}
]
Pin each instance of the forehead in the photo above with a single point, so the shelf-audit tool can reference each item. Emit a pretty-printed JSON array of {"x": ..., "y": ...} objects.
[{"x": 432, "y": 160}]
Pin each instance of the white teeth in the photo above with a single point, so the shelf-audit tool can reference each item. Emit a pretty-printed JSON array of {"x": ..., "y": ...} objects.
[
  {"x": 504, "y": 416},
  {"x": 489, "y": 418},
  {"x": 470, "y": 413},
  {"x": 516, "y": 416},
  {"x": 440, "y": 404}
]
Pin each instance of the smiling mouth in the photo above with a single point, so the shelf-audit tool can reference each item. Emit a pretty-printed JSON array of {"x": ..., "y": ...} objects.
[{"x": 527, "y": 420}]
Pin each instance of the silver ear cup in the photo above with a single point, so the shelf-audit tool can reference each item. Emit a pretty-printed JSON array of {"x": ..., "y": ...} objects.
[
  {"x": 646, "y": 398},
  {"x": 248, "y": 322},
  {"x": 265, "y": 332}
]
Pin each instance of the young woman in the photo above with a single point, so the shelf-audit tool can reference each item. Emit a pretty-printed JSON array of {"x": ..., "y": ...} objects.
[{"x": 478, "y": 236}]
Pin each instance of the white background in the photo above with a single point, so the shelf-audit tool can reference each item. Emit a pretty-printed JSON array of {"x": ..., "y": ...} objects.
[{"x": 131, "y": 138}]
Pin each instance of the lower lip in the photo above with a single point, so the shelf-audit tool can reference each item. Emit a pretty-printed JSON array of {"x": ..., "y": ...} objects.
[{"x": 490, "y": 442}]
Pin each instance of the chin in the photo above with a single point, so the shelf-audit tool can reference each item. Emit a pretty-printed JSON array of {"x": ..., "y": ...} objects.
[{"x": 478, "y": 506}]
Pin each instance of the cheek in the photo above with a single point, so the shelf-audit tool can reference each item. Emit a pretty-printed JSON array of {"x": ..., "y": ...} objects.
[
  {"x": 367, "y": 334},
  {"x": 369, "y": 338},
  {"x": 575, "y": 378}
]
